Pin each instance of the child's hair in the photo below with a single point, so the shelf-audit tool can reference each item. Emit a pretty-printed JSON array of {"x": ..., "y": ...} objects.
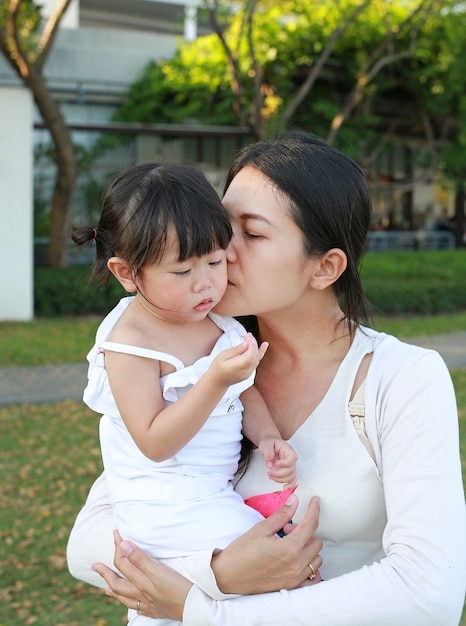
[{"x": 140, "y": 207}]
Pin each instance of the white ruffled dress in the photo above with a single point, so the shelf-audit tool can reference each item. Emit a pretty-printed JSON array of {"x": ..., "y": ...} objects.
[{"x": 187, "y": 503}]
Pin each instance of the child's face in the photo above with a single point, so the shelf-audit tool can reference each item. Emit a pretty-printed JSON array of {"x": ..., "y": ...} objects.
[{"x": 184, "y": 291}]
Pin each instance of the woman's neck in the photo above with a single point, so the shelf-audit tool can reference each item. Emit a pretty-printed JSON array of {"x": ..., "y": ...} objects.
[
  {"x": 300, "y": 364},
  {"x": 305, "y": 338}
]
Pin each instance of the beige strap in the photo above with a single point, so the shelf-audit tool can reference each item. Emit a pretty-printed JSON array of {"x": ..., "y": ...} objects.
[{"x": 357, "y": 410}]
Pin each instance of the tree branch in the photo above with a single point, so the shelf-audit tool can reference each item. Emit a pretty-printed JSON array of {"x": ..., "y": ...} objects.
[
  {"x": 50, "y": 31},
  {"x": 232, "y": 61},
  {"x": 257, "y": 122},
  {"x": 316, "y": 70},
  {"x": 10, "y": 43},
  {"x": 374, "y": 64}
]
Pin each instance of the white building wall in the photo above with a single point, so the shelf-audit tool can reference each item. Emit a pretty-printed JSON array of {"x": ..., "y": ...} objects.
[
  {"x": 16, "y": 215},
  {"x": 71, "y": 17},
  {"x": 92, "y": 62}
]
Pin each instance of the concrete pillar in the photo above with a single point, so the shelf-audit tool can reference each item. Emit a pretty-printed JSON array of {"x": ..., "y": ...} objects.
[
  {"x": 190, "y": 23},
  {"x": 16, "y": 204}
]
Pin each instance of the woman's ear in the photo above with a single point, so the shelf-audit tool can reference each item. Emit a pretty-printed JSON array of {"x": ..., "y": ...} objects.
[
  {"x": 123, "y": 273},
  {"x": 329, "y": 268}
]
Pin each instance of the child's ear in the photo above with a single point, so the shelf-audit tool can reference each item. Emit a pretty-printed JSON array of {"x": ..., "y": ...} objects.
[
  {"x": 329, "y": 269},
  {"x": 123, "y": 273}
]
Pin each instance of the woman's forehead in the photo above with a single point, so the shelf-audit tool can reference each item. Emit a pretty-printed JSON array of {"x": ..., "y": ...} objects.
[{"x": 253, "y": 196}]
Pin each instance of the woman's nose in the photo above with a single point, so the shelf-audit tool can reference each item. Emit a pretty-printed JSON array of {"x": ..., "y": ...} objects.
[{"x": 231, "y": 252}]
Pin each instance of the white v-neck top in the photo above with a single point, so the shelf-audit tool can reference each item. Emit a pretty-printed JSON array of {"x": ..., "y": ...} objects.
[{"x": 333, "y": 463}]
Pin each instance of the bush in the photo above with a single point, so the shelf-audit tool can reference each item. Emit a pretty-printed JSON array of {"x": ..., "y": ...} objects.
[
  {"x": 68, "y": 292},
  {"x": 421, "y": 282}
]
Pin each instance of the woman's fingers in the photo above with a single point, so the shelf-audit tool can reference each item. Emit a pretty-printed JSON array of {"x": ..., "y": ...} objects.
[
  {"x": 306, "y": 528},
  {"x": 282, "y": 516},
  {"x": 259, "y": 561},
  {"x": 160, "y": 591},
  {"x": 118, "y": 588}
]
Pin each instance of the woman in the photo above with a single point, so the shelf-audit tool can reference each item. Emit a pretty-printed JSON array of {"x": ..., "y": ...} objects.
[{"x": 392, "y": 515}]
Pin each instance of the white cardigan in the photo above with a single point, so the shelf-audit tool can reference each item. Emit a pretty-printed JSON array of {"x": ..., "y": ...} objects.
[{"x": 411, "y": 422}]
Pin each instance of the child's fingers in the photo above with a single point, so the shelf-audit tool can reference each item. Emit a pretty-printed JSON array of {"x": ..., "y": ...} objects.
[
  {"x": 282, "y": 476},
  {"x": 263, "y": 349}
]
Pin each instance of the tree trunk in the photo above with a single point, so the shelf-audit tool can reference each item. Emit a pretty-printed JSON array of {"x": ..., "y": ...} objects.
[
  {"x": 460, "y": 199},
  {"x": 63, "y": 192}
]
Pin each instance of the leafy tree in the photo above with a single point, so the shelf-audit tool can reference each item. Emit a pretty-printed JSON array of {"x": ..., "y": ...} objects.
[
  {"x": 267, "y": 65},
  {"x": 361, "y": 73},
  {"x": 428, "y": 98},
  {"x": 25, "y": 42}
]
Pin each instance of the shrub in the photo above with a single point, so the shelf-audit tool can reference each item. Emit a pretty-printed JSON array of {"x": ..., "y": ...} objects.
[
  {"x": 67, "y": 291},
  {"x": 421, "y": 282}
]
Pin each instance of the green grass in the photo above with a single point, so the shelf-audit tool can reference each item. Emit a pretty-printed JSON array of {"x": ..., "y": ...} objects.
[
  {"x": 47, "y": 341},
  {"x": 422, "y": 325},
  {"x": 49, "y": 456},
  {"x": 53, "y": 341}
]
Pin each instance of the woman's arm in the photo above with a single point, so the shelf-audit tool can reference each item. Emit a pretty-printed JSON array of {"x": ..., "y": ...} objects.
[{"x": 162, "y": 592}]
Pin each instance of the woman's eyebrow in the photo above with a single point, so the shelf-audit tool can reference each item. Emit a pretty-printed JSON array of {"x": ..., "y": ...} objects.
[{"x": 255, "y": 216}]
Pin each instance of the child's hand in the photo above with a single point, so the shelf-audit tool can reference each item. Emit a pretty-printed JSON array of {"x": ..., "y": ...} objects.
[
  {"x": 236, "y": 364},
  {"x": 280, "y": 459}
]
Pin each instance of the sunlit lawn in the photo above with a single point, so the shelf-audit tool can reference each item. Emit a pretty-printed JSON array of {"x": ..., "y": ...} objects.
[
  {"x": 52, "y": 341},
  {"x": 49, "y": 456}
]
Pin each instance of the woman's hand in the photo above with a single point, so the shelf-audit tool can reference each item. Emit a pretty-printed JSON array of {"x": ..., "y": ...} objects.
[
  {"x": 256, "y": 562},
  {"x": 259, "y": 562},
  {"x": 151, "y": 588}
]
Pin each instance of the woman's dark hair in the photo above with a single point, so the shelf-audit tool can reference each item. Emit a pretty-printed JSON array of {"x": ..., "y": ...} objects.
[
  {"x": 329, "y": 202},
  {"x": 140, "y": 207}
]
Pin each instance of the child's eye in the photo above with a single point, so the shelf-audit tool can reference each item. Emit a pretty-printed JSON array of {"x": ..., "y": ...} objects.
[
  {"x": 182, "y": 273},
  {"x": 215, "y": 263},
  {"x": 252, "y": 236}
]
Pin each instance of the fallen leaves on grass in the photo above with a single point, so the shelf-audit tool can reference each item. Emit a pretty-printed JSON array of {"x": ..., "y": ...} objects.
[{"x": 49, "y": 457}]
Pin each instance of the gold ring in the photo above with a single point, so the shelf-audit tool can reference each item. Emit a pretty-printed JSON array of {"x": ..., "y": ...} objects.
[
  {"x": 313, "y": 575},
  {"x": 138, "y": 606}
]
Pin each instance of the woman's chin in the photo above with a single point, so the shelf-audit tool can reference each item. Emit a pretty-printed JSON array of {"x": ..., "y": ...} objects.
[{"x": 227, "y": 306}]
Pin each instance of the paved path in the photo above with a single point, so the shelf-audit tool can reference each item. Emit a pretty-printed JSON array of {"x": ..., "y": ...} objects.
[{"x": 54, "y": 383}]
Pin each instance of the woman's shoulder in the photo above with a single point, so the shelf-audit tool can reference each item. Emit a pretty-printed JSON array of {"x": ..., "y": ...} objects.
[{"x": 394, "y": 358}]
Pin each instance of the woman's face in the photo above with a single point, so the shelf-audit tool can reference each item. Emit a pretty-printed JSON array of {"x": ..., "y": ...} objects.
[{"x": 268, "y": 269}]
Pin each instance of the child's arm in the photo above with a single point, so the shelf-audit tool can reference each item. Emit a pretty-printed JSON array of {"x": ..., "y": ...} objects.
[
  {"x": 259, "y": 427},
  {"x": 161, "y": 432}
]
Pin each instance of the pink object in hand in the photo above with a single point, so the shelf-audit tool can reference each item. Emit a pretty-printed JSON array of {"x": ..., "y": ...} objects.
[{"x": 268, "y": 503}]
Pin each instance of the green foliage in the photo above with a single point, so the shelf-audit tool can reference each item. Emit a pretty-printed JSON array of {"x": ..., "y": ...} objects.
[
  {"x": 68, "y": 292},
  {"x": 196, "y": 83},
  {"x": 192, "y": 85},
  {"x": 29, "y": 21},
  {"x": 421, "y": 282}
]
